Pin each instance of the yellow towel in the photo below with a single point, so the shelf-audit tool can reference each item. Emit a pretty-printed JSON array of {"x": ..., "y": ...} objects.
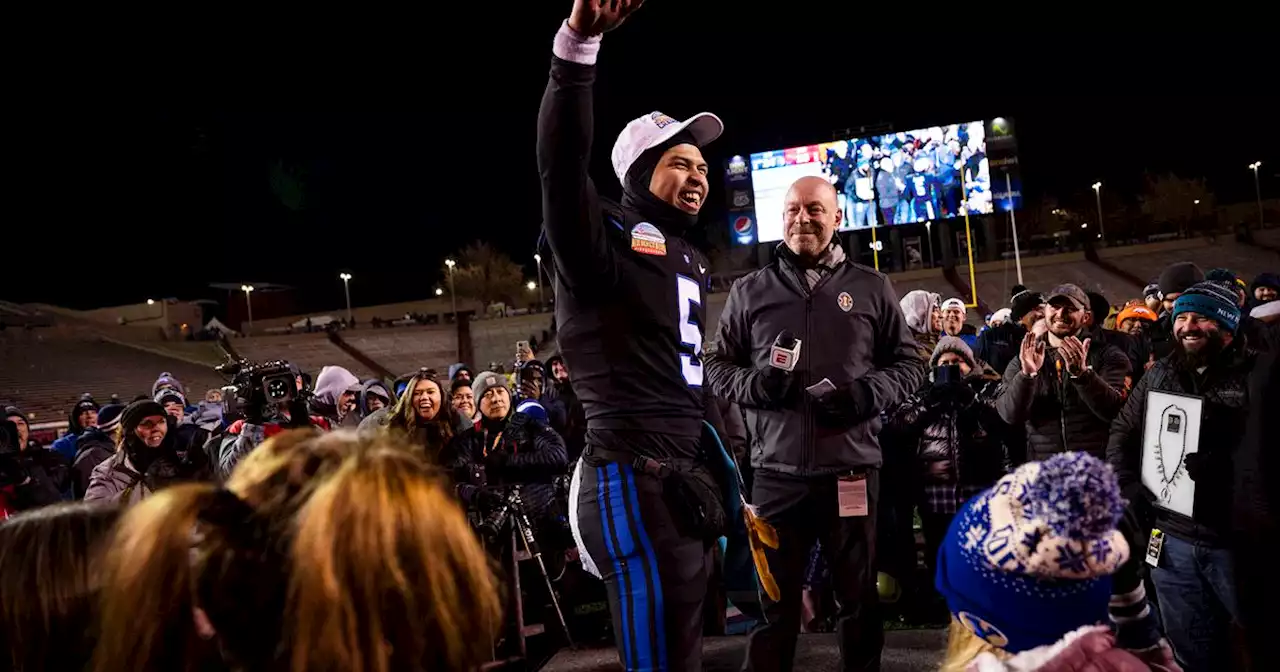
[{"x": 761, "y": 534}]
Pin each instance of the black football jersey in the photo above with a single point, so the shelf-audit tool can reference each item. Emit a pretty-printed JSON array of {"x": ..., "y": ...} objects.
[
  {"x": 633, "y": 339},
  {"x": 630, "y": 292}
]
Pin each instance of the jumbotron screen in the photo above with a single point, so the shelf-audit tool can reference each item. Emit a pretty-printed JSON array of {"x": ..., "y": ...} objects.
[{"x": 898, "y": 178}]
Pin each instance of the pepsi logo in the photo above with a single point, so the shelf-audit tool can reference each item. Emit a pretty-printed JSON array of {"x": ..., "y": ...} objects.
[{"x": 742, "y": 224}]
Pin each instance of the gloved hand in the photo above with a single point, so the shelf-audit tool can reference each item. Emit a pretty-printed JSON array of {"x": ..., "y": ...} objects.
[
  {"x": 255, "y": 408},
  {"x": 1197, "y": 465},
  {"x": 487, "y": 498},
  {"x": 774, "y": 385},
  {"x": 845, "y": 405},
  {"x": 299, "y": 414}
]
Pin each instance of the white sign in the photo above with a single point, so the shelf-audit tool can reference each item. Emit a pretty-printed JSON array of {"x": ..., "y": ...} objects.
[{"x": 1170, "y": 432}]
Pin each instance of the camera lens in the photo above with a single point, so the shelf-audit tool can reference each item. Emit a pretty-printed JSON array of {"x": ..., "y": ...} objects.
[{"x": 277, "y": 389}]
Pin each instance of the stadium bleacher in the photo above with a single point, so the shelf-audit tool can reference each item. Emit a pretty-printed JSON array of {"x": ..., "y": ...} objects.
[{"x": 46, "y": 375}]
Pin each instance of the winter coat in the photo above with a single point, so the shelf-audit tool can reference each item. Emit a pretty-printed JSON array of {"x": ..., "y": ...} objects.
[
  {"x": 999, "y": 345},
  {"x": 853, "y": 333},
  {"x": 955, "y": 435},
  {"x": 93, "y": 448},
  {"x": 33, "y": 478},
  {"x": 1224, "y": 389},
  {"x": 117, "y": 480},
  {"x": 522, "y": 452},
  {"x": 1064, "y": 413},
  {"x": 574, "y": 430}
]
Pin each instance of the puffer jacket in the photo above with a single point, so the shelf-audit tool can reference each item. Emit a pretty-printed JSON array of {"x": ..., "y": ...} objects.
[
  {"x": 532, "y": 455},
  {"x": 1224, "y": 388},
  {"x": 116, "y": 481},
  {"x": 1062, "y": 413},
  {"x": 955, "y": 432}
]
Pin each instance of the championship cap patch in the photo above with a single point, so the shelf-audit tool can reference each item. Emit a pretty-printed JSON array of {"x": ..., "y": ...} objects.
[{"x": 647, "y": 239}]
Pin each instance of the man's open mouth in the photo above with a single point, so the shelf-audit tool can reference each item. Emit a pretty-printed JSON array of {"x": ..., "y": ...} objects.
[{"x": 691, "y": 198}]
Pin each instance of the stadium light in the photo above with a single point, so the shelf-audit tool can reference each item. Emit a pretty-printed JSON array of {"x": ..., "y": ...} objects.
[
  {"x": 346, "y": 288},
  {"x": 439, "y": 292},
  {"x": 1084, "y": 225},
  {"x": 537, "y": 259},
  {"x": 1196, "y": 202},
  {"x": 151, "y": 302},
  {"x": 453, "y": 296},
  {"x": 531, "y": 285},
  {"x": 248, "y": 304},
  {"x": 1097, "y": 192},
  {"x": 1257, "y": 188}
]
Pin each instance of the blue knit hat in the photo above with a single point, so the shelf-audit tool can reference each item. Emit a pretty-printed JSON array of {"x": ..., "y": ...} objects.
[
  {"x": 1212, "y": 300},
  {"x": 1031, "y": 559}
]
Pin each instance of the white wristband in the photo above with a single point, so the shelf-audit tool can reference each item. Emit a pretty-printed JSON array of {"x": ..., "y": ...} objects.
[{"x": 572, "y": 46}]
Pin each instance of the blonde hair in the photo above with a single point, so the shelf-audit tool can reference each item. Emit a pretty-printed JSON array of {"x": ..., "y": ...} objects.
[
  {"x": 326, "y": 552},
  {"x": 963, "y": 647}
]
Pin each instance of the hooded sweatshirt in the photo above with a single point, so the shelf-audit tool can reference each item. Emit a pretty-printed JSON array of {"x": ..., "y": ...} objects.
[{"x": 330, "y": 384}]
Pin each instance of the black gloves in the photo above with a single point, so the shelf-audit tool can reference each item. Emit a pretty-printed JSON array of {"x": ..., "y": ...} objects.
[
  {"x": 255, "y": 408},
  {"x": 845, "y": 406},
  {"x": 299, "y": 414},
  {"x": 1197, "y": 465},
  {"x": 775, "y": 386},
  {"x": 487, "y": 499}
]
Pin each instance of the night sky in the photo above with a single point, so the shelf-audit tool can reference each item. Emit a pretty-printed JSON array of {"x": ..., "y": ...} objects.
[{"x": 231, "y": 161}]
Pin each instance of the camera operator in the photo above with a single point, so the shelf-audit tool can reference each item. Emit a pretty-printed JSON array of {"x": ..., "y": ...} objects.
[
  {"x": 263, "y": 417},
  {"x": 506, "y": 448},
  {"x": 815, "y": 451},
  {"x": 30, "y": 476}
]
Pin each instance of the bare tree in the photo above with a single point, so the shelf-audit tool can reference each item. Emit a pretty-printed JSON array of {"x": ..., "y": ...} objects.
[
  {"x": 1170, "y": 201},
  {"x": 486, "y": 275}
]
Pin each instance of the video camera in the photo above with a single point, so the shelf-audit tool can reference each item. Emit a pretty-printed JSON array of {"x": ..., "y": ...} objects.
[{"x": 276, "y": 380}]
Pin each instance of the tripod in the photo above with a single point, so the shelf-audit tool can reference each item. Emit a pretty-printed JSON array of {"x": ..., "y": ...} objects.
[{"x": 516, "y": 531}]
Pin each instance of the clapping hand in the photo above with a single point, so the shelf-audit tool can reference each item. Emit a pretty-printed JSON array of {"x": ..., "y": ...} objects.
[
  {"x": 1074, "y": 353},
  {"x": 596, "y": 17},
  {"x": 1031, "y": 354}
]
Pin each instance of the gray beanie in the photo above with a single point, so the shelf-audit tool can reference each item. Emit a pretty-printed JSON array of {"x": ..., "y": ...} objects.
[
  {"x": 953, "y": 344},
  {"x": 486, "y": 380}
]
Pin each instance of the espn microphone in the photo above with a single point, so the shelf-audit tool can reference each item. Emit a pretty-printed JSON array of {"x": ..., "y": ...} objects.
[{"x": 785, "y": 351}]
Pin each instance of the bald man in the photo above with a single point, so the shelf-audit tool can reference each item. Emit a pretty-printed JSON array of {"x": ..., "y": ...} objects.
[{"x": 815, "y": 452}]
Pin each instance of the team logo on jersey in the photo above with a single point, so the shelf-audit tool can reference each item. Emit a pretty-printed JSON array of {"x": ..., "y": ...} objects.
[
  {"x": 647, "y": 239},
  {"x": 988, "y": 632},
  {"x": 845, "y": 301}
]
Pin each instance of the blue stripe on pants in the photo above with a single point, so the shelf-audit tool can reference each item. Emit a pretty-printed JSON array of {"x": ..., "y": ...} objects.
[
  {"x": 628, "y": 659},
  {"x": 642, "y": 582},
  {"x": 651, "y": 562}
]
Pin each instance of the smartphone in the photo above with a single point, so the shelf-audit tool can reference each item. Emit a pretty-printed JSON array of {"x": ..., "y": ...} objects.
[{"x": 523, "y": 350}]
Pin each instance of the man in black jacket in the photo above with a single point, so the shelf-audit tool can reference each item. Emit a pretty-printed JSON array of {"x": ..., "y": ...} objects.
[
  {"x": 630, "y": 296},
  {"x": 1193, "y": 577},
  {"x": 1064, "y": 390},
  {"x": 815, "y": 452}
]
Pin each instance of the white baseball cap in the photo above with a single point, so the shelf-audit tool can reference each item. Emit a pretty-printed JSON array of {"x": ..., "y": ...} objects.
[
  {"x": 953, "y": 303},
  {"x": 655, "y": 128}
]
